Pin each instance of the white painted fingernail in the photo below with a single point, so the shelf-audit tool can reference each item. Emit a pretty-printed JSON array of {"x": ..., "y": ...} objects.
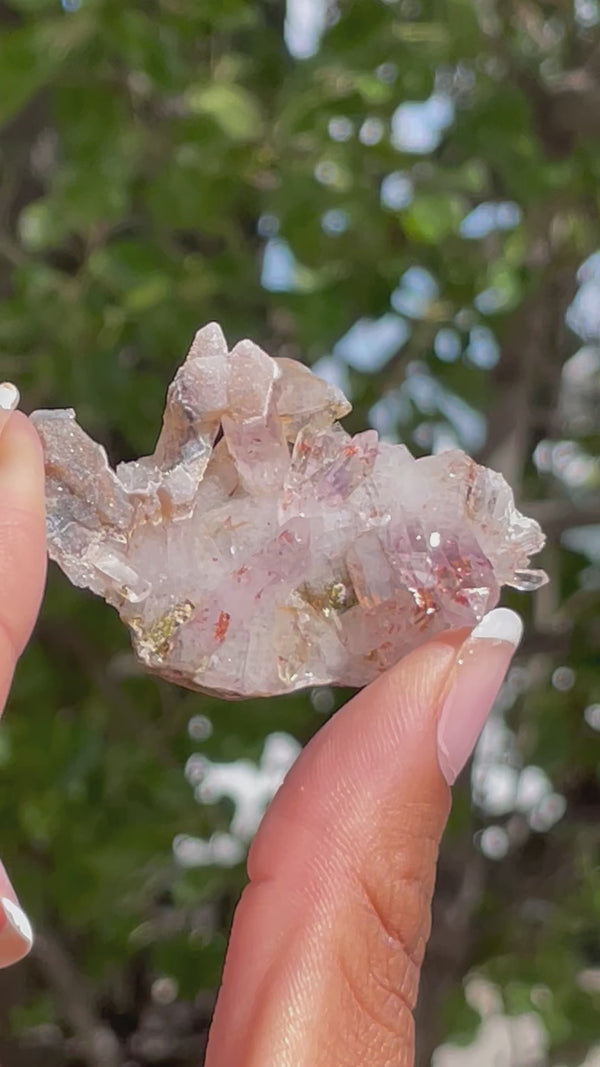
[
  {"x": 17, "y": 918},
  {"x": 481, "y": 665},
  {"x": 501, "y": 624},
  {"x": 9, "y": 396},
  {"x": 9, "y": 399},
  {"x": 16, "y": 934}
]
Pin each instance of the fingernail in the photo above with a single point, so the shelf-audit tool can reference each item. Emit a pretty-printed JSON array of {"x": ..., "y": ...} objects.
[
  {"x": 16, "y": 934},
  {"x": 480, "y": 668},
  {"x": 9, "y": 400}
]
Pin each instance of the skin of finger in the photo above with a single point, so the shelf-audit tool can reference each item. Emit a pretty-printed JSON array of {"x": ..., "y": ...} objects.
[
  {"x": 22, "y": 576},
  {"x": 328, "y": 939},
  {"x": 12, "y": 947},
  {"x": 22, "y": 541}
]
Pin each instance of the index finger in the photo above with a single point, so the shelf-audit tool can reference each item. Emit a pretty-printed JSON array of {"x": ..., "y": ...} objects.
[
  {"x": 22, "y": 540},
  {"x": 16, "y": 934}
]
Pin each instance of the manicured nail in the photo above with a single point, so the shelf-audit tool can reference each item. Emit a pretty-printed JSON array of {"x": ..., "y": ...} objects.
[
  {"x": 16, "y": 935},
  {"x": 480, "y": 668},
  {"x": 9, "y": 399}
]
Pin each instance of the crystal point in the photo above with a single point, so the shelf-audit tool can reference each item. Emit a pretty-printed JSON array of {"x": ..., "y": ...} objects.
[{"x": 261, "y": 548}]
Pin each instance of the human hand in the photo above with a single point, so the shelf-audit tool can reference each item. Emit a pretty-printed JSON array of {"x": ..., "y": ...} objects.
[
  {"x": 328, "y": 939},
  {"x": 324, "y": 959},
  {"x": 22, "y": 574}
]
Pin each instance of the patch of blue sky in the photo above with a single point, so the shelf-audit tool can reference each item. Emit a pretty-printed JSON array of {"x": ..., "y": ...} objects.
[
  {"x": 583, "y": 315},
  {"x": 584, "y": 539},
  {"x": 305, "y": 23},
  {"x": 371, "y": 132},
  {"x": 420, "y": 280},
  {"x": 267, "y": 225},
  {"x": 587, "y": 12},
  {"x": 327, "y": 172},
  {"x": 335, "y": 222},
  {"x": 431, "y": 397},
  {"x": 589, "y": 270},
  {"x": 444, "y": 438},
  {"x": 580, "y": 371},
  {"x": 388, "y": 414},
  {"x": 447, "y": 345},
  {"x": 397, "y": 191},
  {"x": 491, "y": 301},
  {"x": 334, "y": 371},
  {"x": 387, "y": 73},
  {"x": 490, "y": 217},
  {"x": 483, "y": 349},
  {"x": 419, "y": 125},
  {"x": 424, "y": 391},
  {"x": 469, "y": 424},
  {"x": 371, "y": 343},
  {"x": 415, "y": 293},
  {"x": 423, "y": 435},
  {"x": 281, "y": 271},
  {"x": 278, "y": 267},
  {"x": 340, "y": 128},
  {"x": 462, "y": 425}
]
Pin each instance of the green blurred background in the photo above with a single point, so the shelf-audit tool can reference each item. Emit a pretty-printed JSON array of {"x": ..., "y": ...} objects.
[{"x": 406, "y": 195}]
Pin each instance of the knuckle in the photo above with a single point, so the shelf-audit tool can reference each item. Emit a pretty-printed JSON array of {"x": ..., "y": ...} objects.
[
  {"x": 380, "y": 976},
  {"x": 394, "y": 887},
  {"x": 396, "y": 916}
]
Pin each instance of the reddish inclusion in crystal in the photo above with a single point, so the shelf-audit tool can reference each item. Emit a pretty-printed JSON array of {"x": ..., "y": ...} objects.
[
  {"x": 222, "y": 626},
  {"x": 427, "y": 606}
]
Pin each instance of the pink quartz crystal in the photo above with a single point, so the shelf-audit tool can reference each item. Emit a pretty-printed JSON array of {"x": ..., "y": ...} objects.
[{"x": 261, "y": 549}]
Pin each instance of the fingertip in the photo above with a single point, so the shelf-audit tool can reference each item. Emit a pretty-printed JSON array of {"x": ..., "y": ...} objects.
[
  {"x": 480, "y": 670},
  {"x": 22, "y": 539},
  {"x": 21, "y": 466},
  {"x": 9, "y": 398},
  {"x": 16, "y": 933}
]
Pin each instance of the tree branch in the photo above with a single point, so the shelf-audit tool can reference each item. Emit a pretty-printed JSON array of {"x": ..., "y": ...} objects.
[
  {"x": 459, "y": 891},
  {"x": 532, "y": 357},
  {"x": 99, "y": 1046}
]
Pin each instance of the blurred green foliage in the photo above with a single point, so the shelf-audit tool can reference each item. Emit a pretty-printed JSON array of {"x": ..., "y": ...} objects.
[{"x": 152, "y": 154}]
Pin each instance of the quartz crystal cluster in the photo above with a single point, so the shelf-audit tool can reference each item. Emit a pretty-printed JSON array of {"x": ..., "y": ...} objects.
[{"x": 261, "y": 548}]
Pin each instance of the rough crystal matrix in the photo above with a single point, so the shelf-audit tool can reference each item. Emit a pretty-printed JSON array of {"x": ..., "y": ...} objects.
[{"x": 261, "y": 549}]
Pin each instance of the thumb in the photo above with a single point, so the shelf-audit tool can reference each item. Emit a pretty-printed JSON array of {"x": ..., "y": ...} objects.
[{"x": 327, "y": 942}]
